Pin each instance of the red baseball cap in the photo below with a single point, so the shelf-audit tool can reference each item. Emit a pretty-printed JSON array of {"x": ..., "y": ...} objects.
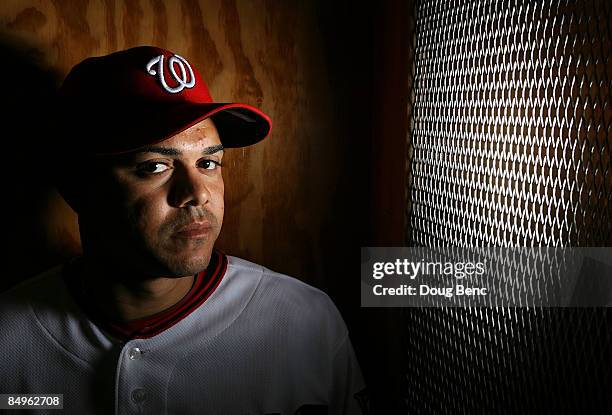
[{"x": 141, "y": 96}]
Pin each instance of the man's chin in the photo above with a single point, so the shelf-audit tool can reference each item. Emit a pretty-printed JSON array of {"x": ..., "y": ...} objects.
[
  {"x": 188, "y": 266},
  {"x": 187, "y": 262}
]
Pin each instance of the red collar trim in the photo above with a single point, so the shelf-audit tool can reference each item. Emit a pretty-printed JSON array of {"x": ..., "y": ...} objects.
[{"x": 205, "y": 283}]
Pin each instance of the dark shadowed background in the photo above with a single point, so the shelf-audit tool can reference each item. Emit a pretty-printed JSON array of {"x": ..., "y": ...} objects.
[{"x": 360, "y": 157}]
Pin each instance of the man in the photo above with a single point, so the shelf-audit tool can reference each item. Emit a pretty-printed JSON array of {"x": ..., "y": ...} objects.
[{"x": 152, "y": 319}]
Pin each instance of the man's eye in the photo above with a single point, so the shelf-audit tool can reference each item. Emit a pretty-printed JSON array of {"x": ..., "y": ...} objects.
[
  {"x": 153, "y": 168},
  {"x": 209, "y": 164}
]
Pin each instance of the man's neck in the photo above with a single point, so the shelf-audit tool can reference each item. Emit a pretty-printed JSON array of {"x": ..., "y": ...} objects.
[{"x": 134, "y": 298}]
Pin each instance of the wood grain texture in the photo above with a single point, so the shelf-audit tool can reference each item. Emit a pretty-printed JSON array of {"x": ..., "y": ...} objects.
[{"x": 265, "y": 53}]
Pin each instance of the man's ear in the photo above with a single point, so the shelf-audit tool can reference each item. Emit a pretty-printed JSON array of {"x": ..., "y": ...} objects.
[
  {"x": 69, "y": 191},
  {"x": 70, "y": 180},
  {"x": 70, "y": 188}
]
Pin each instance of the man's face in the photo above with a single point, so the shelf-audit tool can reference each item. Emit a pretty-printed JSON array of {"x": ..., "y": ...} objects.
[{"x": 162, "y": 206}]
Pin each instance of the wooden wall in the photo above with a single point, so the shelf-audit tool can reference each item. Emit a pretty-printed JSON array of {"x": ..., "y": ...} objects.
[
  {"x": 330, "y": 74},
  {"x": 266, "y": 53}
]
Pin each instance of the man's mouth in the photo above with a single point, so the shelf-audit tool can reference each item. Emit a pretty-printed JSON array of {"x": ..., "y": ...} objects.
[{"x": 194, "y": 230}]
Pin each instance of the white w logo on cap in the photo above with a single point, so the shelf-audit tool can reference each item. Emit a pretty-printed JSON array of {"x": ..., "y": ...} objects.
[{"x": 181, "y": 81}]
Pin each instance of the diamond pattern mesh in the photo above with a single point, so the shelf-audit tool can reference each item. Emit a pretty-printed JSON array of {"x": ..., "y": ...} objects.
[
  {"x": 512, "y": 124},
  {"x": 510, "y": 145}
]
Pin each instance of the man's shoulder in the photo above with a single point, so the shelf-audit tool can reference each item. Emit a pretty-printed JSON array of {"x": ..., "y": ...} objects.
[
  {"x": 274, "y": 283},
  {"x": 285, "y": 297},
  {"x": 23, "y": 306},
  {"x": 45, "y": 284}
]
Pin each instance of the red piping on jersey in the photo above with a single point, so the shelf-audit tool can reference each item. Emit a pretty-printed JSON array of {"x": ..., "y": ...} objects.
[{"x": 205, "y": 283}]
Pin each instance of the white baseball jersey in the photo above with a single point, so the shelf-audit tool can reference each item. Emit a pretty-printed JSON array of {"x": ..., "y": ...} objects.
[{"x": 261, "y": 343}]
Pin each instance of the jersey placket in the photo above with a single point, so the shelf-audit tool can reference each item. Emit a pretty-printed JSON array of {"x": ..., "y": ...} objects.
[{"x": 139, "y": 386}]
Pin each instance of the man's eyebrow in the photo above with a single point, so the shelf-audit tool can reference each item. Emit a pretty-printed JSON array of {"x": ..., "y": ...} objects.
[
  {"x": 213, "y": 149},
  {"x": 170, "y": 151},
  {"x": 166, "y": 151}
]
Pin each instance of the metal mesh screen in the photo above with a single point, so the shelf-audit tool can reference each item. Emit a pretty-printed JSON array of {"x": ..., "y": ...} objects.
[
  {"x": 510, "y": 145},
  {"x": 512, "y": 124}
]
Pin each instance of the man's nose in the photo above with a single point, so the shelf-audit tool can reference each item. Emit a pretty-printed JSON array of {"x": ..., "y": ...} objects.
[{"x": 189, "y": 188}]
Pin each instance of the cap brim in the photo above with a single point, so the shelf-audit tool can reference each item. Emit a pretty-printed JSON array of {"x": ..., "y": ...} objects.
[{"x": 238, "y": 125}]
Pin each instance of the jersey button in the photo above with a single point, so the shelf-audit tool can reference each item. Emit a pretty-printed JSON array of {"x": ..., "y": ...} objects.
[
  {"x": 139, "y": 395},
  {"x": 134, "y": 353}
]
